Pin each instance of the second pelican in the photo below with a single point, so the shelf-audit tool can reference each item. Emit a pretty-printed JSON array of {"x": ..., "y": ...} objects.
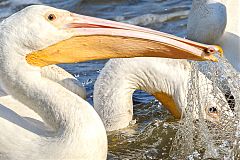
[{"x": 166, "y": 79}]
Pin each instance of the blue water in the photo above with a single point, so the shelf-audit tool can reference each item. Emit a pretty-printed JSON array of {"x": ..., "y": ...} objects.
[{"x": 151, "y": 138}]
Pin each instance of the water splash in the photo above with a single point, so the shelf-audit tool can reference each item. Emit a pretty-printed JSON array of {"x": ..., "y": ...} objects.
[{"x": 201, "y": 139}]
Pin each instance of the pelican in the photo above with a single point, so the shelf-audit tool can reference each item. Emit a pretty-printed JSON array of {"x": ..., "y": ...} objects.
[
  {"x": 167, "y": 79},
  {"x": 40, "y": 117},
  {"x": 216, "y": 22}
]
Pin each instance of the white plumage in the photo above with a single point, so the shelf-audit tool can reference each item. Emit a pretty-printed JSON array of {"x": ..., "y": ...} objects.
[
  {"x": 51, "y": 72},
  {"x": 121, "y": 77},
  {"x": 59, "y": 124}
]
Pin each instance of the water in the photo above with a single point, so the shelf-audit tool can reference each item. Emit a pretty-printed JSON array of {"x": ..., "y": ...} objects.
[{"x": 152, "y": 136}]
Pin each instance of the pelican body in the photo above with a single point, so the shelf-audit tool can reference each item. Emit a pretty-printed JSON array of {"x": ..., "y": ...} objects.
[{"x": 41, "y": 117}]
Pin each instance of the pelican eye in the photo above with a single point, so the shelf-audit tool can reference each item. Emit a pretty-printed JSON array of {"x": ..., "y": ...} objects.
[
  {"x": 210, "y": 50},
  {"x": 51, "y": 17},
  {"x": 212, "y": 110}
]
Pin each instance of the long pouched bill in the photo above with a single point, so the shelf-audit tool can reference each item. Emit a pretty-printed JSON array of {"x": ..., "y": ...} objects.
[{"x": 95, "y": 38}]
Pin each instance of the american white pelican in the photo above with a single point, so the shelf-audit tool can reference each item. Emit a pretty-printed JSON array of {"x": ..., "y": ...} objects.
[
  {"x": 207, "y": 21},
  {"x": 39, "y": 36},
  {"x": 166, "y": 79}
]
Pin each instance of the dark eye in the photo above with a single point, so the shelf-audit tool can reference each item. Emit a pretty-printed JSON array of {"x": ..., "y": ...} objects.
[
  {"x": 210, "y": 50},
  {"x": 212, "y": 110},
  {"x": 51, "y": 17}
]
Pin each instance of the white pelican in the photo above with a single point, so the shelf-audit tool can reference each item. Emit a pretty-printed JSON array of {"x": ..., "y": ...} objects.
[
  {"x": 113, "y": 97},
  {"x": 166, "y": 79},
  {"x": 58, "y": 123},
  {"x": 207, "y": 21}
]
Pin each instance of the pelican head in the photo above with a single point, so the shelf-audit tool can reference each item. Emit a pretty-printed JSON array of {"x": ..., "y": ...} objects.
[
  {"x": 207, "y": 21},
  {"x": 44, "y": 35}
]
